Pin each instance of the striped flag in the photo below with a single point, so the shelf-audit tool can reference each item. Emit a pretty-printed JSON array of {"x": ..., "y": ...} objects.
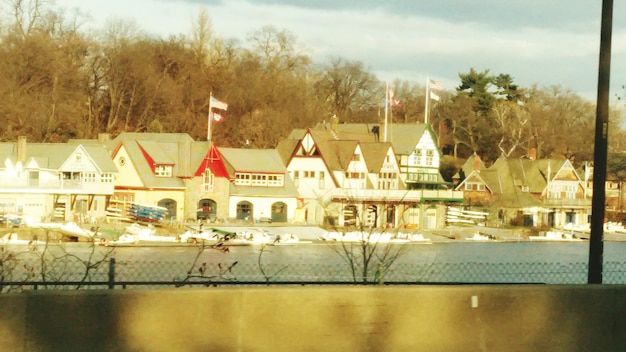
[
  {"x": 436, "y": 85},
  {"x": 434, "y": 96}
]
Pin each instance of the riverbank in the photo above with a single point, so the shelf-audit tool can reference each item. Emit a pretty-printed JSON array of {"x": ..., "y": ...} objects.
[{"x": 112, "y": 231}]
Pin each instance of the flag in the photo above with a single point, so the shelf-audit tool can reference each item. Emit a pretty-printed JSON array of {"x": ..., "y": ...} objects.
[
  {"x": 434, "y": 96},
  {"x": 436, "y": 85},
  {"x": 218, "y": 104},
  {"x": 392, "y": 99},
  {"x": 217, "y": 117}
]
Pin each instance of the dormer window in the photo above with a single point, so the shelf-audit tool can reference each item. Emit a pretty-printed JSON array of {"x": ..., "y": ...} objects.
[{"x": 163, "y": 170}]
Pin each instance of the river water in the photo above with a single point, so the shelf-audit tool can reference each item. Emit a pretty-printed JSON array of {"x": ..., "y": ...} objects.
[
  {"x": 441, "y": 261},
  {"x": 449, "y": 262}
]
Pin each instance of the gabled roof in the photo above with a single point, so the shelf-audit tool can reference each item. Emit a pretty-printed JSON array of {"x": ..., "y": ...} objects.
[
  {"x": 177, "y": 149},
  {"x": 403, "y": 136},
  {"x": 338, "y": 154},
  {"x": 506, "y": 193},
  {"x": 474, "y": 162},
  {"x": 286, "y": 149},
  {"x": 374, "y": 155},
  {"x": 53, "y": 156}
]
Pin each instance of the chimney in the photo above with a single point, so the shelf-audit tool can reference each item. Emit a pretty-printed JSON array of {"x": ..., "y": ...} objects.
[
  {"x": 532, "y": 154},
  {"x": 21, "y": 149},
  {"x": 476, "y": 162},
  {"x": 103, "y": 138},
  {"x": 333, "y": 123},
  {"x": 376, "y": 132}
]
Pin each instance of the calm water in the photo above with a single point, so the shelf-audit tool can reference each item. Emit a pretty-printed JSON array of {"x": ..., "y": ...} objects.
[
  {"x": 451, "y": 252},
  {"x": 451, "y": 262}
]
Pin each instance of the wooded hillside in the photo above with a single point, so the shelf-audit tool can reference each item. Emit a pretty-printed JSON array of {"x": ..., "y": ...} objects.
[{"x": 61, "y": 82}]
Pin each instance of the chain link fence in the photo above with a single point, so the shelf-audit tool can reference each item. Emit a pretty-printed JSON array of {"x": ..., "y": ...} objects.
[{"x": 75, "y": 273}]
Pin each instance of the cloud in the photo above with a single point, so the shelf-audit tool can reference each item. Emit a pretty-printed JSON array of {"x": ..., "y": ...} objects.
[{"x": 548, "y": 42}]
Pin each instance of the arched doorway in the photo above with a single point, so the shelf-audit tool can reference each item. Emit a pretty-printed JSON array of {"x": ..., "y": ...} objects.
[
  {"x": 371, "y": 216},
  {"x": 207, "y": 210},
  {"x": 350, "y": 214},
  {"x": 279, "y": 212},
  {"x": 170, "y": 205},
  {"x": 244, "y": 210}
]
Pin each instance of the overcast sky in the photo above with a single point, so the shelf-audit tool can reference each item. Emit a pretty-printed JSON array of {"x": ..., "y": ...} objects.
[{"x": 543, "y": 42}]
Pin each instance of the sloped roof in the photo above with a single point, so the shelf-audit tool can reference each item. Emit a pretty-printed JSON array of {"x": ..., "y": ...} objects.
[
  {"x": 253, "y": 160},
  {"x": 257, "y": 161},
  {"x": 501, "y": 180},
  {"x": 338, "y": 154},
  {"x": 177, "y": 149},
  {"x": 374, "y": 155},
  {"x": 286, "y": 148},
  {"x": 403, "y": 136},
  {"x": 471, "y": 163},
  {"x": 53, "y": 155}
]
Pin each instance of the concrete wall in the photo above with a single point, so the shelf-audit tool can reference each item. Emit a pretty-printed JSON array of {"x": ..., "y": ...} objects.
[{"x": 383, "y": 318}]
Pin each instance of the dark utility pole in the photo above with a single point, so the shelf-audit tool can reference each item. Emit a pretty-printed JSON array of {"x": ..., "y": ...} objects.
[{"x": 596, "y": 244}]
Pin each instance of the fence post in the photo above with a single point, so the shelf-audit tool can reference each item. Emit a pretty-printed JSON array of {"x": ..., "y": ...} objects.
[{"x": 111, "y": 273}]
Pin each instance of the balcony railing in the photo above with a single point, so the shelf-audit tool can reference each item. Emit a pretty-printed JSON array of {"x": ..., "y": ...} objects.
[
  {"x": 37, "y": 186},
  {"x": 396, "y": 195},
  {"x": 564, "y": 202}
]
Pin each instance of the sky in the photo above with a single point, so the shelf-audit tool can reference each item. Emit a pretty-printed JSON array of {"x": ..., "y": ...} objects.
[{"x": 542, "y": 42}]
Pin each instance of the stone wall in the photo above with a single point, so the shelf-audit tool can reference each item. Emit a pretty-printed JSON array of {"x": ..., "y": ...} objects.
[{"x": 380, "y": 318}]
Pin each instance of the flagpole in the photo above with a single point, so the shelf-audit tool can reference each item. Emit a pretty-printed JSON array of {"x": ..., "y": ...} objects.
[
  {"x": 426, "y": 102},
  {"x": 208, "y": 131},
  {"x": 386, "y": 110}
]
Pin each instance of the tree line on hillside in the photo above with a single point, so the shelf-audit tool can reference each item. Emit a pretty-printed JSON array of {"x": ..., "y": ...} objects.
[{"x": 61, "y": 82}]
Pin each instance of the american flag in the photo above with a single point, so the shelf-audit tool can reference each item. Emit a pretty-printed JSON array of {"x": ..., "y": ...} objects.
[{"x": 436, "y": 85}]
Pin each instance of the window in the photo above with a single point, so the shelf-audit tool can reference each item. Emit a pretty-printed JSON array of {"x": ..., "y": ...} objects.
[
  {"x": 355, "y": 175},
  {"x": 106, "y": 178},
  {"x": 89, "y": 177},
  {"x": 275, "y": 180},
  {"x": 245, "y": 179},
  {"x": 208, "y": 180},
  {"x": 259, "y": 180},
  {"x": 474, "y": 186},
  {"x": 387, "y": 180},
  {"x": 242, "y": 179},
  {"x": 163, "y": 170},
  {"x": 430, "y": 157},
  {"x": 356, "y": 157},
  {"x": 309, "y": 174},
  {"x": 322, "y": 182}
]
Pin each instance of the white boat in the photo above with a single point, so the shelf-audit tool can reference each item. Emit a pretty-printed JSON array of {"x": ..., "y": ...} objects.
[
  {"x": 412, "y": 237},
  {"x": 197, "y": 237},
  {"x": 554, "y": 236},
  {"x": 136, "y": 234},
  {"x": 288, "y": 239},
  {"x": 479, "y": 237},
  {"x": 72, "y": 229},
  {"x": 372, "y": 237}
]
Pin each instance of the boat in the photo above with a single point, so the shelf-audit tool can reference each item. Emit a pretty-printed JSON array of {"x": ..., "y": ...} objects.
[
  {"x": 146, "y": 213},
  {"x": 72, "y": 229},
  {"x": 288, "y": 239},
  {"x": 192, "y": 236},
  {"x": 555, "y": 236},
  {"x": 412, "y": 237},
  {"x": 372, "y": 237},
  {"x": 480, "y": 237}
]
